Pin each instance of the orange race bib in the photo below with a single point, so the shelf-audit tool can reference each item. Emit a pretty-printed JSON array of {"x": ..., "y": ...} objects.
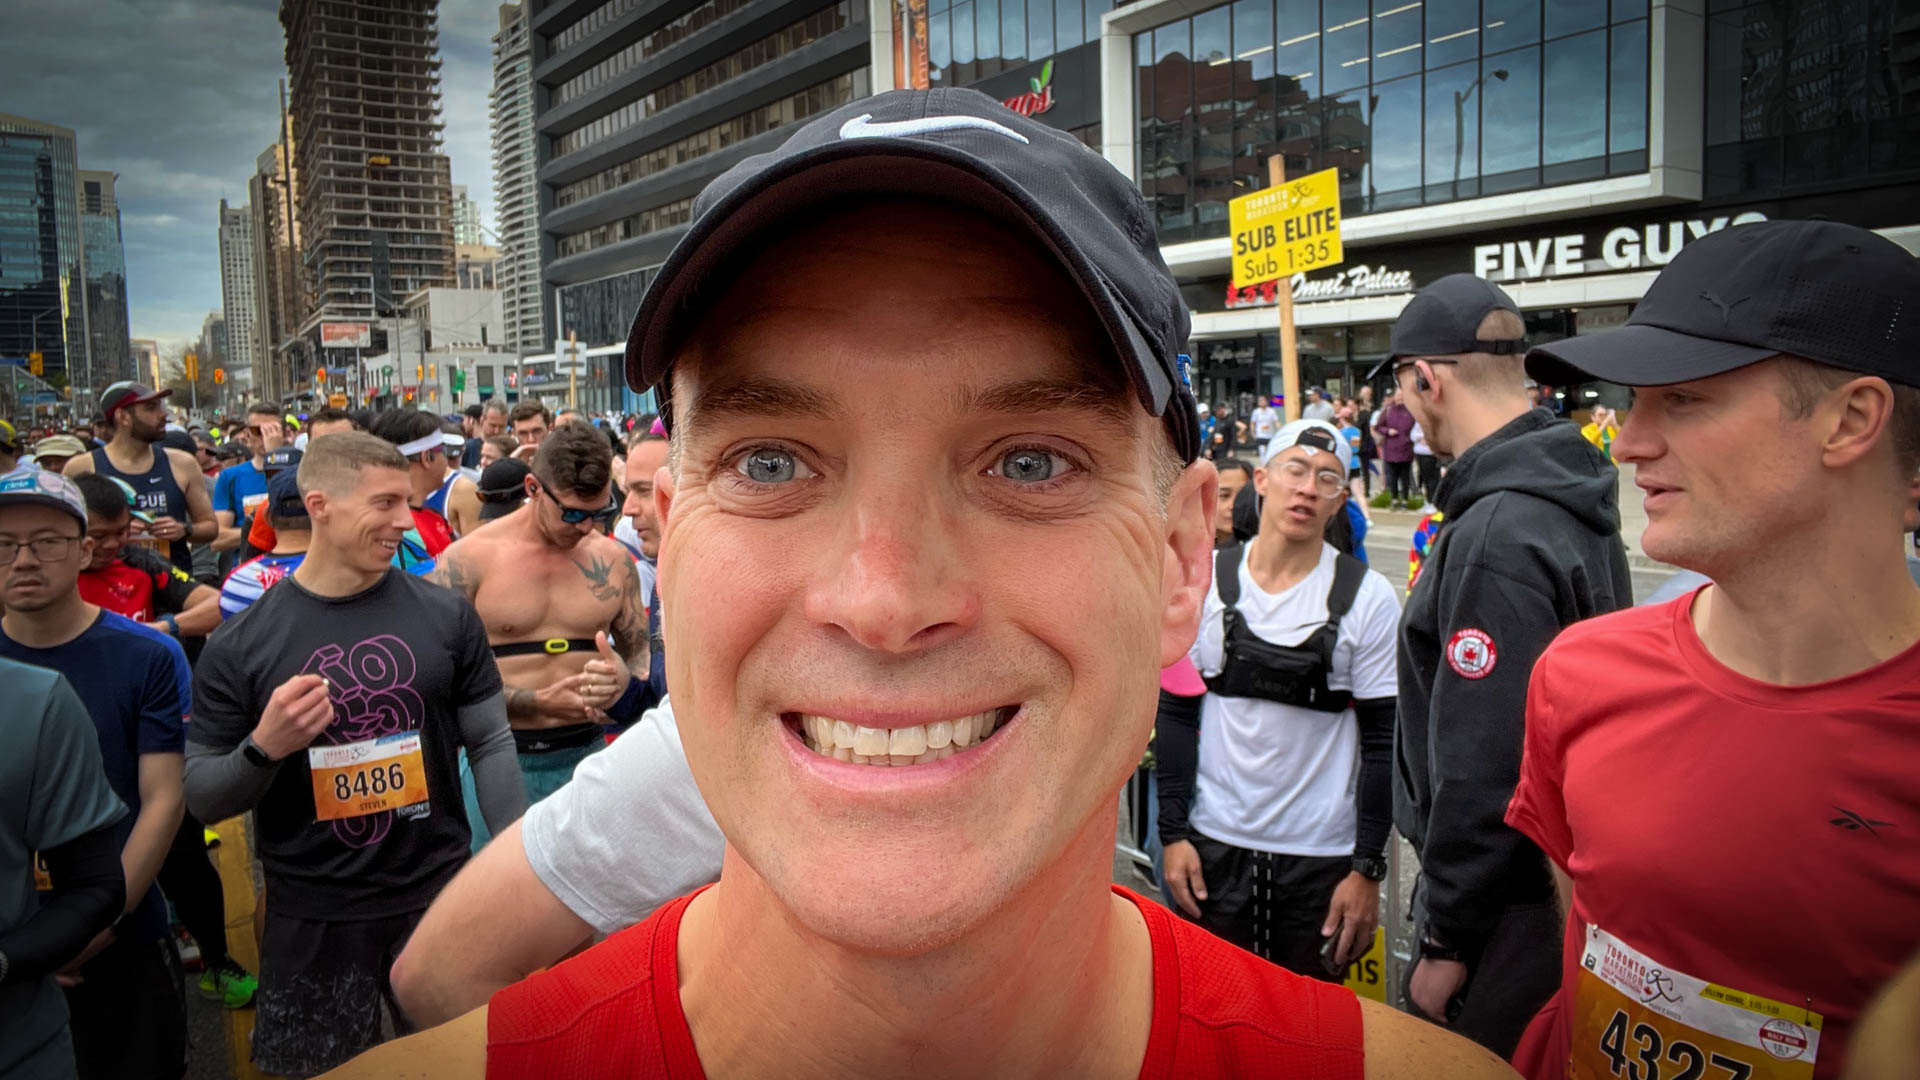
[
  {"x": 367, "y": 777},
  {"x": 1634, "y": 1017}
]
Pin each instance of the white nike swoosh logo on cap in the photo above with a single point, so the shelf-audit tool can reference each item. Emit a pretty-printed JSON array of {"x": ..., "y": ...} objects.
[{"x": 863, "y": 127}]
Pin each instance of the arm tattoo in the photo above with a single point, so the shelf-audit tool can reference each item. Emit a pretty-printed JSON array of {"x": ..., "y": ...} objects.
[
  {"x": 454, "y": 574},
  {"x": 630, "y": 624},
  {"x": 522, "y": 704},
  {"x": 598, "y": 573}
]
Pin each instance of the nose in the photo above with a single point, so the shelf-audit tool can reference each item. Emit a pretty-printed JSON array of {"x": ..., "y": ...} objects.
[
  {"x": 634, "y": 502},
  {"x": 891, "y": 577},
  {"x": 1638, "y": 440}
]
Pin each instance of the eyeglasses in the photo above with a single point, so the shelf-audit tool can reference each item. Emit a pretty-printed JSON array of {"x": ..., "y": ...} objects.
[
  {"x": 1298, "y": 475},
  {"x": 573, "y": 516},
  {"x": 47, "y": 549}
]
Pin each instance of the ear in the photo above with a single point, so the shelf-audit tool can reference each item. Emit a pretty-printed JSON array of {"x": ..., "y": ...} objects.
[
  {"x": 1187, "y": 565},
  {"x": 1911, "y": 520},
  {"x": 316, "y": 501},
  {"x": 663, "y": 496},
  {"x": 1853, "y": 420}
]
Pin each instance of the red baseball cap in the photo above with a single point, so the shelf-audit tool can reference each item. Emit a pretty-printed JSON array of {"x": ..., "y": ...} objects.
[{"x": 122, "y": 394}]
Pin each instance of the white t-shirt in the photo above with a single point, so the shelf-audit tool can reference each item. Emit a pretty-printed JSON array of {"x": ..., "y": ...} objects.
[
  {"x": 629, "y": 832},
  {"x": 1280, "y": 778},
  {"x": 1420, "y": 447},
  {"x": 1266, "y": 420}
]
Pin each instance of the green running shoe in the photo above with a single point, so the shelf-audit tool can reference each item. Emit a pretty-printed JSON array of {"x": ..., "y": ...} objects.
[{"x": 229, "y": 984}]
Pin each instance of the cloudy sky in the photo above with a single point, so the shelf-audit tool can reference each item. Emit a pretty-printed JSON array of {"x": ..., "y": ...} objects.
[{"x": 179, "y": 97}]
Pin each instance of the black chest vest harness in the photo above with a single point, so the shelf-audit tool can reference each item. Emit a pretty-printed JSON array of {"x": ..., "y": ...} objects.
[{"x": 1287, "y": 674}]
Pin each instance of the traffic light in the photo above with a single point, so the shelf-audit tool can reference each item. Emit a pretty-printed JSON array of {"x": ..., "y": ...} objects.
[
  {"x": 433, "y": 371},
  {"x": 192, "y": 365},
  {"x": 419, "y": 373},
  {"x": 36, "y": 363},
  {"x": 219, "y": 375}
]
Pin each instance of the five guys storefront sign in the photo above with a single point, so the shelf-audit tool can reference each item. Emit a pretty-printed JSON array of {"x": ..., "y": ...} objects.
[{"x": 1606, "y": 246}]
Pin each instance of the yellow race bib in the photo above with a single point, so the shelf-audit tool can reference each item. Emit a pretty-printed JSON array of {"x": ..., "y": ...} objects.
[
  {"x": 1639, "y": 1019},
  {"x": 367, "y": 777}
]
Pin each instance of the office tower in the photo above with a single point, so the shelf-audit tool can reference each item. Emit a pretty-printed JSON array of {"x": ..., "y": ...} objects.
[
  {"x": 238, "y": 286},
  {"x": 516, "y": 188},
  {"x": 279, "y": 302},
  {"x": 106, "y": 277},
  {"x": 42, "y": 251}
]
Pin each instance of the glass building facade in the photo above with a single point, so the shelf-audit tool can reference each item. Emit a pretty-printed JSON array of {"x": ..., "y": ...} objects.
[
  {"x": 972, "y": 40},
  {"x": 1804, "y": 95},
  {"x": 41, "y": 250},
  {"x": 1415, "y": 103}
]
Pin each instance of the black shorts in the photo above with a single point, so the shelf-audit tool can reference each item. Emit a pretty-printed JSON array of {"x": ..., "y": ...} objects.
[
  {"x": 324, "y": 995},
  {"x": 1270, "y": 905},
  {"x": 128, "y": 1018}
]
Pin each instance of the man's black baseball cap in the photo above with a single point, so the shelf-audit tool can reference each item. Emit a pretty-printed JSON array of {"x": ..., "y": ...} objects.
[
  {"x": 958, "y": 146},
  {"x": 282, "y": 459},
  {"x": 283, "y": 495},
  {"x": 1835, "y": 294},
  {"x": 1443, "y": 319}
]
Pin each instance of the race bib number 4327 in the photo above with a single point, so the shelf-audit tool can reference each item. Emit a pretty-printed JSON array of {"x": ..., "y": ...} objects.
[
  {"x": 367, "y": 777},
  {"x": 1638, "y": 1019}
]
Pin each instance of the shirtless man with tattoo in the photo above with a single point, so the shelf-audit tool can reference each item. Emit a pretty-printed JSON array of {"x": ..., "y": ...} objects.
[{"x": 563, "y": 609}]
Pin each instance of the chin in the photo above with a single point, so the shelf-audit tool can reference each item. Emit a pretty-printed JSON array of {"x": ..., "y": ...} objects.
[{"x": 892, "y": 898}]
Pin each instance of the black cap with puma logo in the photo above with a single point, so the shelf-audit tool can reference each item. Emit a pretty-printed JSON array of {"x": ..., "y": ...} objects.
[
  {"x": 957, "y": 146},
  {"x": 1835, "y": 294}
]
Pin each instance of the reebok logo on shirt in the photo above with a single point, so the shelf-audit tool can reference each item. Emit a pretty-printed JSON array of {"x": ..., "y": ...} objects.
[{"x": 1853, "y": 822}]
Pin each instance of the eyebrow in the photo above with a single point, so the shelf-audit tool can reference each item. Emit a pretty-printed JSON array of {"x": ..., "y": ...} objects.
[
  {"x": 760, "y": 395},
  {"x": 1050, "y": 396}
]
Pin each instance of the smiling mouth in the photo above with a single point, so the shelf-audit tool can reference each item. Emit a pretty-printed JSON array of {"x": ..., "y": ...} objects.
[{"x": 921, "y": 744}]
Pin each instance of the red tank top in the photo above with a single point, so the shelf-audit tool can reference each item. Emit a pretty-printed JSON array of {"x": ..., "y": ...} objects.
[{"x": 1219, "y": 1012}]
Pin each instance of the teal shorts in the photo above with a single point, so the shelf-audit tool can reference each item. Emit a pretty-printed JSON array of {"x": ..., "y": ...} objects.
[{"x": 544, "y": 773}]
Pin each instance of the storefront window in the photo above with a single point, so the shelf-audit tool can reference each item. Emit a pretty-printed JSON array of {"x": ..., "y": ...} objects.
[{"x": 1414, "y": 102}]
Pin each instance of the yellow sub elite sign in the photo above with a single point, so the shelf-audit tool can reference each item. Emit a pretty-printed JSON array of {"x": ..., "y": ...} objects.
[{"x": 1283, "y": 230}]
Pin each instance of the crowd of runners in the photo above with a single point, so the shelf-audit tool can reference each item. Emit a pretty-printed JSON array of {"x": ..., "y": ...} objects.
[{"x": 933, "y": 543}]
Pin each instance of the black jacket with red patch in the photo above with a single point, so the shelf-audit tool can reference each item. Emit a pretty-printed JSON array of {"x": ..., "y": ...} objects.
[{"x": 1529, "y": 543}]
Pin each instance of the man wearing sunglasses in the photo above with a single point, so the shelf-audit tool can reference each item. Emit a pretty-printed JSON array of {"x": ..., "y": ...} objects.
[
  {"x": 562, "y": 604},
  {"x": 1531, "y": 543}
]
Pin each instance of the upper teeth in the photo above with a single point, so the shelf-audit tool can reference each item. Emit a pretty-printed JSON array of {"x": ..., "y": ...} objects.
[{"x": 896, "y": 746}]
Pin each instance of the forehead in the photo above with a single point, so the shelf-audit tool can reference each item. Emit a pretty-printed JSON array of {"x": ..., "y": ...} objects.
[
  {"x": 31, "y": 520},
  {"x": 375, "y": 481},
  {"x": 647, "y": 455},
  {"x": 933, "y": 304},
  {"x": 1308, "y": 455}
]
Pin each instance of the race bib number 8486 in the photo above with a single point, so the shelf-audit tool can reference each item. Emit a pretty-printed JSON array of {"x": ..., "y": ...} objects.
[{"x": 367, "y": 777}]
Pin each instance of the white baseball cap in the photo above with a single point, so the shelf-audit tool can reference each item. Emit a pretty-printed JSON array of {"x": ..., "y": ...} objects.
[{"x": 1315, "y": 434}]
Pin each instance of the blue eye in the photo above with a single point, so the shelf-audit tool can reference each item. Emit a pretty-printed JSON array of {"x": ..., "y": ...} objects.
[
  {"x": 772, "y": 466},
  {"x": 1029, "y": 465}
]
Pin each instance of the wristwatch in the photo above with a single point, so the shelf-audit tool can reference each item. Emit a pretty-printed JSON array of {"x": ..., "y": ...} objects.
[
  {"x": 1371, "y": 867},
  {"x": 1433, "y": 950},
  {"x": 173, "y": 624},
  {"x": 254, "y": 754}
]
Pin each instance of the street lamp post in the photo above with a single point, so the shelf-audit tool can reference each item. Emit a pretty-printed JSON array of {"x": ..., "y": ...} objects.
[{"x": 1459, "y": 120}]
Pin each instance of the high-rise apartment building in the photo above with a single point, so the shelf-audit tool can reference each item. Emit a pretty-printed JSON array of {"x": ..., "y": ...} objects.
[
  {"x": 43, "y": 276},
  {"x": 279, "y": 302},
  {"x": 238, "y": 285},
  {"x": 466, "y": 218},
  {"x": 375, "y": 205},
  {"x": 106, "y": 277},
  {"x": 640, "y": 106},
  {"x": 516, "y": 188}
]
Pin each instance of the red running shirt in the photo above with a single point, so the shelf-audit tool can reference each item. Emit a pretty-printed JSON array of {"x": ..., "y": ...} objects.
[
  {"x": 1218, "y": 1012},
  {"x": 435, "y": 533},
  {"x": 1742, "y": 854}
]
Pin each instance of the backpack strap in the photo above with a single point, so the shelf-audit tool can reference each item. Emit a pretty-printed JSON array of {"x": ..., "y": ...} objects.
[
  {"x": 1348, "y": 574},
  {"x": 1226, "y": 574}
]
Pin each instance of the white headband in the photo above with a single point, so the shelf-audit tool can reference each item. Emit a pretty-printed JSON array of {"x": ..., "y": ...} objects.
[{"x": 420, "y": 445}]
